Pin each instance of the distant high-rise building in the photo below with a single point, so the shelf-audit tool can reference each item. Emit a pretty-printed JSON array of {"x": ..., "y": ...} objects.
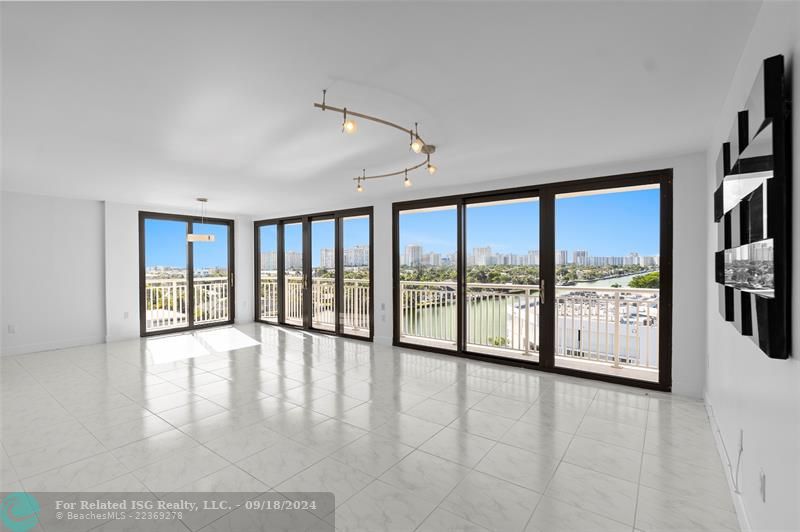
[
  {"x": 533, "y": 257},
  {"x": 632, "y": 259},
  {"x": 561, "y": 257},
  {"x": 648, "y": 261},
  {"x": 293, "y": 260},
  {"x": 481, "y": 256},
  {"x": 327, "y": 258},
  {"x": 269, "y": 260},
  {"x": 580, "y": 257},
  {"x": 435, "y": 259},
  {"x": 356, "y": 256},
  {"x": 413, "y": 255}
]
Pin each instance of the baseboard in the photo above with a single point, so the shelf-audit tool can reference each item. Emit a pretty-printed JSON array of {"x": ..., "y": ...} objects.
[
  {"x": 51, "y": 346},
  {"x": 738, "y": 501}
]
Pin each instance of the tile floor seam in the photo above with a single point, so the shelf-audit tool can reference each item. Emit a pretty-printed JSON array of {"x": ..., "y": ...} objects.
[
  {"x": 560, "y": 461},
  {"x": 471, "y": 470},
  {"x": 21, "y": 480},
  {"x": 641, "y": 467}
]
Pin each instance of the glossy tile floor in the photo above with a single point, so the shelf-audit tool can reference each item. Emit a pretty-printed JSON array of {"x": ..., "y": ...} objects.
[{"x": 406, "y": 440}]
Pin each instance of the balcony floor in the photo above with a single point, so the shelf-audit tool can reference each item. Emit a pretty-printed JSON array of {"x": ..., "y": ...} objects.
[
  {"x": 592, "y": 366},
  {"x": 405, "y": 439}
]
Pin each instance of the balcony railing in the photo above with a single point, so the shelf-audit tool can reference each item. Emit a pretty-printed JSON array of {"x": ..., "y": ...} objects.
[
  {"x": 617, "y": 327},
  {"x": 167, "y": 302},
  {"x": 355, "y": 302}
]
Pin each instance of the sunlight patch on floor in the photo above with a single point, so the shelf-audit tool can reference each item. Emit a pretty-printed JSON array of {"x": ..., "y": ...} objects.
[
  {"x": 226, "y": 339},
  {"x": 173, "y": 348}
]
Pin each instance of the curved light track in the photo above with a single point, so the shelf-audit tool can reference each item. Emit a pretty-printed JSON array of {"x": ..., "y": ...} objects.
[{"x": 427, "y": 149}]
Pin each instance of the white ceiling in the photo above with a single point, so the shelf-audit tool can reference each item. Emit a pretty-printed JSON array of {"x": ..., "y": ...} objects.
[{"x": 160, "y": 103}]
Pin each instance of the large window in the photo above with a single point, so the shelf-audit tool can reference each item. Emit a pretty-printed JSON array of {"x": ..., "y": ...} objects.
[
  {"x": 572, "y": 277},
  {"x": 184, "y": 284},
  {"x": 315, "y": 272}
]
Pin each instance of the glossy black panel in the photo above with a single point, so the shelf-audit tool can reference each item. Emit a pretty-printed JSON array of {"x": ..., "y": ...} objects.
[
  {"x": 719, "y": 205},
  {"x": 755, "y": 215},
  {"x": 752, "y": 204},
  {"x": 747, "y": 319}
]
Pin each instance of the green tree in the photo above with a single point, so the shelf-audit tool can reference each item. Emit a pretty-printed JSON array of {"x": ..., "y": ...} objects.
[{"x": 648, "y": 280}]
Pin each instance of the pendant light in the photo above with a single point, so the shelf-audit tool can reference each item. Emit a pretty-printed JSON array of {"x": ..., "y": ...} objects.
[{"x": 200, "y": 237}]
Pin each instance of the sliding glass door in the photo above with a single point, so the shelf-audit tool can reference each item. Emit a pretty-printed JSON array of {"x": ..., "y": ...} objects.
[
  {"x": 356, "y": 263},
  {"x": 211, "y": 274},
  {"x": 184, "y": 284},
  {"x": 315, "y": 272},
  {"x": 428, "y": 276},
  {"x": 166, "y": 272},
  {"x": 293, "y": 274},
  {"x": 573, "y": 277},
  {"x": 267, "y": 273},
  {"x": 502, "y": 277},
  {"x": 323, "y": 274},
  {"x": 607, "y": 278}
]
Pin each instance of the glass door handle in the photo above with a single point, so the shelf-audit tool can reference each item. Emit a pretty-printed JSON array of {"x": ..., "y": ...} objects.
[{"x": 541, "y": 291}]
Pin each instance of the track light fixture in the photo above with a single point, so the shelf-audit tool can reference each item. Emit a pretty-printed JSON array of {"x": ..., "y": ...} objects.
[
  {"x": 360, "y": 178},
  {"x": 431, "y": 167},
  {"x": 416, "y": 144},
  {"x": 406, "y": 181},
  {"x": 349, "y": 125}
]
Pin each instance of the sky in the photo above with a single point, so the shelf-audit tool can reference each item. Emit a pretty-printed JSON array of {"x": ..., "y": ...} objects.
[
  {"x": 604, "y": 224},
  {"x": 612, "y": 224},
  {"x": 165, "y": 244}
]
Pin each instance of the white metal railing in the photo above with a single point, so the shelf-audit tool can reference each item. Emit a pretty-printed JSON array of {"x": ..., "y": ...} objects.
[
  {"x": 617, "y": 326},
  {"x": 503, "y": 316},
  {"x": 268, "y": 300},
  {"x": 323, "y": 299},
  {"x": 293, "y": 300},
  {"x": 167, "y": 302},
  {"x": 355, "y": 302},
  {"x": 211, "y": 300},
  {"x": 612, "y": 325},
  {"x": 356, "y": 306},
  {"x": 428, "y": 310}
]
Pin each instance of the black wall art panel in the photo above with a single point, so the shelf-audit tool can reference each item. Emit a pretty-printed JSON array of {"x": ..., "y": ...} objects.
[{"x": 752, "y": 207}]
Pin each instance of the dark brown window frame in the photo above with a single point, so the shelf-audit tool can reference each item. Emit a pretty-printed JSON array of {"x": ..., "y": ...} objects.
[
  {"x": 144, "y": 215},
  {"x": 337, "y": 216},
  {"x": 546, "y": 194}
]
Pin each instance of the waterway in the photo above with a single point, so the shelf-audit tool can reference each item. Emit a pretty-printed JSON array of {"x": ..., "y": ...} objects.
[{"x": 606, "y": 283}]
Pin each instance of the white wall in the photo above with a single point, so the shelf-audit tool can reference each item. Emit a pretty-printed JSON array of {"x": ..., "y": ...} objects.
[
  {"x": 689, "y": 251},
  {"x": 122, "y": 266},
  {"x": 52, "y": 272},
  {"x": 70, "y": 271},
  {"x": 746, "y": 390}
]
